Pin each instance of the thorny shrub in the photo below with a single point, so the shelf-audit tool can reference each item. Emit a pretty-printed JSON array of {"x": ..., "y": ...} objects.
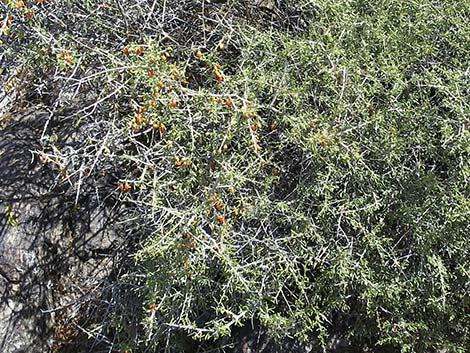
[{"x": 308, "y": 167}]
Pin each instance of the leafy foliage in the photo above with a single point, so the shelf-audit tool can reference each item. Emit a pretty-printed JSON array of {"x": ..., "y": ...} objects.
[{"x": 314, "y": 176}]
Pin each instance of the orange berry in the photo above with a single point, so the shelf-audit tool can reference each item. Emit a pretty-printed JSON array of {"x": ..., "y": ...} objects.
[
  {"x": 173, "y": 104},
  {"x": 219, "y": 79},
  {"x": 218, "y": 205},
  {"x": 139, "y": 118},
  {"x": 151, "y": 73},
  {"x": 142, "y": 110},
  {"x": 30, "y": 14},
  {"x": 135, "y": 127},
  {"x": 139, "y": 51},
  {"x": 121, "y": 187},
  {"x": 153, "y": 104},
  {"x": 254, "y": 127},
  {"x": 178, "y": 162},
  {"x": 40, "y": 1},
  {"x": 191, "y": 245},
  {"x": 155, "y": 94},
  {"x": 160, "y": 84},
  {"x": 198, "y": 54},
  {"x": 127, "y": 187},
  {"x": 19, "y": 4},
  {"x": 221, "y": 219},
  {"x": 125, "y": 50},
  {"x": 187, "y": 236},
  {"x": 152, "y": 306},
  {"x": 228, "y": 103},
  {"x": 69, "y": 59}
]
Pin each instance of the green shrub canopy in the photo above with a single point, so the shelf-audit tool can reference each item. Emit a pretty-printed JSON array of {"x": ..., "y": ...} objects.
[{"x": 312, "y": 173}]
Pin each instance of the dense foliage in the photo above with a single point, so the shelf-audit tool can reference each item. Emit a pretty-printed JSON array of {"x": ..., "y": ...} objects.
[{"x": 306, "y": 164}]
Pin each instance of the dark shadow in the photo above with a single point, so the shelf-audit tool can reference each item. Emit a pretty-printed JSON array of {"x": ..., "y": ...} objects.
[{"x": 56, "y": 255}]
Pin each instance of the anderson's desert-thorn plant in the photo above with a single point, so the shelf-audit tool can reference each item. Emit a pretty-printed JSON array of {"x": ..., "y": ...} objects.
[{"x": 340, "y": 162}]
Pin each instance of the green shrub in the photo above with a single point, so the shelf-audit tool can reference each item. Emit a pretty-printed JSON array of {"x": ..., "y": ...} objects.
[{"x": 315, "y": 178}]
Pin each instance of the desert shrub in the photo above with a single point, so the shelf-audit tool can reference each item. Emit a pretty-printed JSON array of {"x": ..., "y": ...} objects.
[{"x": 313, "y": 175}]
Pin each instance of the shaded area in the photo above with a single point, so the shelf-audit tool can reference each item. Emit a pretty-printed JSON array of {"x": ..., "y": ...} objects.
[{"x": 55, "y": 255}]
